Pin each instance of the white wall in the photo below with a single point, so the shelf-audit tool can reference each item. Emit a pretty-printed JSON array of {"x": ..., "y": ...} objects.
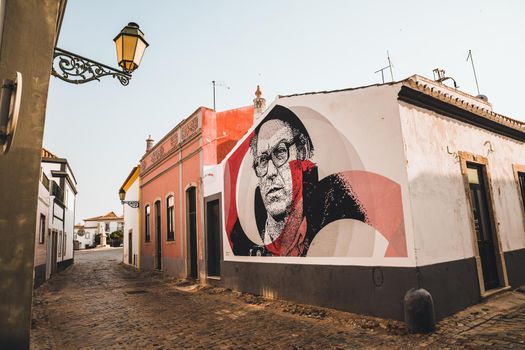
[
  {"x": 87, "y": 239},
  {"x": 131, "y": 217},
  {"x": 212, "y": 179},
  {"x": 354, "y": 130},
  {"x": 69, "y": 221},
  {"x": 437, "y": 193},
  {"x": 42, "y": 208}
]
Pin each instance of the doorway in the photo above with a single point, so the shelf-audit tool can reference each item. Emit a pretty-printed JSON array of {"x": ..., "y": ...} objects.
[
  {"x": 213, "y": 238},
  {"x": 483, "y": 222},
  {"x": 54, "y": 251},
  {"x": 49, "y": 253},
  {"x": 130, "y": 247},
  {"x": 158, "y": 236},
  {"x": 191, "y": 216}
]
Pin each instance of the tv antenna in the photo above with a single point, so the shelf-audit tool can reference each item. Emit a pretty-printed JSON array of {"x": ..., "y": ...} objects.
[
  {"x": 382, "y": 70},
  {"x": 220, "y": 83},
  {"x": 473, "y": 69}
]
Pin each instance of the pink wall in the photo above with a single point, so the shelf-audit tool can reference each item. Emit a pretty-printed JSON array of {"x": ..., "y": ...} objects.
[{"x": 161, "y": 175}]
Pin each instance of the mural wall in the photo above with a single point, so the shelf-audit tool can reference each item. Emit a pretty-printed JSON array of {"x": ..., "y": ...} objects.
[{"x": 296, "y": 187}]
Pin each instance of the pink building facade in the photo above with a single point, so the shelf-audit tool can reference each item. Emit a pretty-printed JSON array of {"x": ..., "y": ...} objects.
[{"x": 171, "y": 203}]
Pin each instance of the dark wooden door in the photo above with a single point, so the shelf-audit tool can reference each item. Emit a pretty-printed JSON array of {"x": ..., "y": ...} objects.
[
  {"x": 483, "y": 224},
  {"x": 54, "y": 251},
  {"x": 158, "y": 235},
  {"x": 130, "y": 247},
  {"x": 192, "y": 230},
  {"x": 213, "y": 238}
]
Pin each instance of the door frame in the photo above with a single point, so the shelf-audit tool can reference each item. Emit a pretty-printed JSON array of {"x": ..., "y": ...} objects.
[
  {"x": 158, "y": 233},
  {"x": 49, "y": 253},
  {"x": 130, "y": 246},
  {"x": 464, "y": 158},
  {"x": 208, "y": 199},
  {"x": 191, "y": 254},
  {"x": 518, "y": 168}
]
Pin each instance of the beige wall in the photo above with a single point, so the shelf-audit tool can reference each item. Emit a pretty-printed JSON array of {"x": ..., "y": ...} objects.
[{"x": 28, "y": 39}]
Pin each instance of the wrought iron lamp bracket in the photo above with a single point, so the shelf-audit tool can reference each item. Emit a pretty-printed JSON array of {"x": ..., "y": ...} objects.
[
  {"x": 133, "y": 204},
  {"x": 76, "y": 69}
]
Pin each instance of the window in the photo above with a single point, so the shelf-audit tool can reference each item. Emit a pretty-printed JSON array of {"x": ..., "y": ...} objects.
[
  {"x": 170, "y": 219},
  {"x": 42, "y": 229},
  {"x": 146, "y": 224},
  {"x": 107, "y": 226},
  {"x": 521, "y": 180}
]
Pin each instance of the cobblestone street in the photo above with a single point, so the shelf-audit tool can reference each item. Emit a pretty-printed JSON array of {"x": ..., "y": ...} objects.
[{"x": 98, "y": 303}]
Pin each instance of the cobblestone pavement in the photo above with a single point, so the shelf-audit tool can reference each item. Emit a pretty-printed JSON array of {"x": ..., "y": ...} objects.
[{"x": 98, "y": 303}]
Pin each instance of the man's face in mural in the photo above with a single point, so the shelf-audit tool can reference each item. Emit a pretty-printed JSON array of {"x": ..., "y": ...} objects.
[{"x": 275, "y": 148}]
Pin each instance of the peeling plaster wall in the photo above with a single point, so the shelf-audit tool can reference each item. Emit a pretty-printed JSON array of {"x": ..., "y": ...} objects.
[{"x": 437, "y": 194}]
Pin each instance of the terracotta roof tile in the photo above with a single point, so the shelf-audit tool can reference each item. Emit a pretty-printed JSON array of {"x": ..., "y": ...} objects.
[{"x": 46, "y": 154}]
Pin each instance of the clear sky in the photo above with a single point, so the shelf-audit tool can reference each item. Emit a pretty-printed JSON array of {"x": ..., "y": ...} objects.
[{"x": 285, "y": 46}]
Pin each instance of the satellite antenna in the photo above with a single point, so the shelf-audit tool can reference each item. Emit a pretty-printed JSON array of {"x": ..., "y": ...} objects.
[
  {"x": 473, "y": 69},
  {"x": 382, "y": 70},
  {"x": 218, "y": 83}
]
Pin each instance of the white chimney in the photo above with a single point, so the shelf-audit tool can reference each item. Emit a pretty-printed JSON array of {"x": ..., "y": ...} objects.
[
  {"x": 149, "y": 143},
  {"x": 259, "y": 104}
]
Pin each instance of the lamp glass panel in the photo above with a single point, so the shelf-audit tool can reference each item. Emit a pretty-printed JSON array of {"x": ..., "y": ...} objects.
[
  {"x": 139, "y": 51},
  {"x": 118, "y": 43},
  {"x": 130, "y": 44},
  {"x": 129, "y": 66}
]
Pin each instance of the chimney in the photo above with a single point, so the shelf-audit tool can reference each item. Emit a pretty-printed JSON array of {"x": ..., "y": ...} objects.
[
  {"x": 259, "y": 104},
  {"x": 149, "y": 143}
]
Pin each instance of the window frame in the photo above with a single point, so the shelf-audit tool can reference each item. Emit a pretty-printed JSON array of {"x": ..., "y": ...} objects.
[
  {"x": 42, "y": 229},
  {"x": 170, "y": 218},
  {"x": 147, "y": 224}
]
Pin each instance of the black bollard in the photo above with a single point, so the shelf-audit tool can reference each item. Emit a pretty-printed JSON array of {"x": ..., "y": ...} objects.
[{"x": 419, "y": 311}]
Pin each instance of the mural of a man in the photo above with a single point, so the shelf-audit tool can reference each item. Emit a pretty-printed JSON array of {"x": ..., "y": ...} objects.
[
  {"x": 273, "y": 177},
  {"x": 291, "y": 206},
  {"x": 281, "y": 149}
]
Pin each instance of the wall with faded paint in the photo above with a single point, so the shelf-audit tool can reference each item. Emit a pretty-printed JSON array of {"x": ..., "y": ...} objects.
[
  {"x": 437, "y": 193},
  {"x": 357, "y": 145}
]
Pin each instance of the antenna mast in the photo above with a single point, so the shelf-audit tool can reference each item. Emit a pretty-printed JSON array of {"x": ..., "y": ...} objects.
[
  {"x": 384, "y": 68},
  {"x": 473, "y": 69}
]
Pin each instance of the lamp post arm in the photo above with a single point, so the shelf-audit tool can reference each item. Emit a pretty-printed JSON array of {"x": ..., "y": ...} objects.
[
  {"x": 76, "y": 69},
  {"x": 133, "y": 204}
]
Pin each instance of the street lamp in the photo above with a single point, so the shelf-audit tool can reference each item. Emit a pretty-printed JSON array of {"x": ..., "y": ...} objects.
[
  {"x": 75, "y": 69},
  {"x": 130, "y": 44},
  {"x": 122, "y": 195}
]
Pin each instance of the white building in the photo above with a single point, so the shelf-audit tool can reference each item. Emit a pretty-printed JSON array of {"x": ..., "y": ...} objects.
[
  {"x": 377, "y": 190},
  {"x": 84, "y": 237},
  {"x": 54, "y": 232},
  {"x": 129, "y": 192},
  {"x": 103, "y": 226}
]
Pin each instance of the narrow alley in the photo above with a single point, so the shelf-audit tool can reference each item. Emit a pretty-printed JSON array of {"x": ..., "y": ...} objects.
[{"x": 98, "y": 303}]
